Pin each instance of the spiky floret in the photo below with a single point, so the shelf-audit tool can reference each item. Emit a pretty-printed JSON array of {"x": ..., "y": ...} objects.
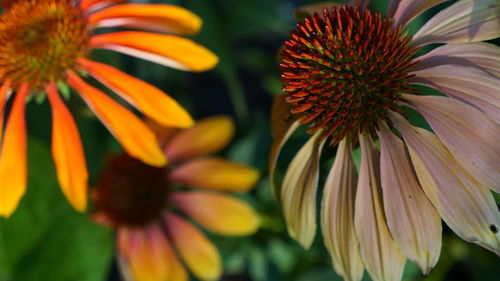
[
  {"x": 343, "y": 70},
  {"x": 131, "y": 193},
  {"x": 39, "y": 48}
]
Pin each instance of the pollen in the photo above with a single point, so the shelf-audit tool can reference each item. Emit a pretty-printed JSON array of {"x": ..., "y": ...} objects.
[
  {"x": 344, "y": 70},
  {"x": 40, "y": 40}
]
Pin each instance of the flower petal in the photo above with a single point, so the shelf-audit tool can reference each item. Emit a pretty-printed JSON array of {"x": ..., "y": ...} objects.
[
  {"x": 199, "y": 254},
  {"x": 298, "y": 192},
  {"x": 92, "y": 5},
  {"x": 4, "y": 93},
  {"x": 479, "y": 54},
  {"x": 169, "y": 50},
  {"x": 382, "y": 258},
  {"x": 465, "y": 205},
  {"x": 149, "y": 255},
  {"x": 154, "y": 103},
  {"x": 217, "y": 212},
  {"x": 470, "y": 136},
  {"x": 359, "y": 3},
  {"x": 414, "y": 223},
  {"x": 13, "y": 166},
  {"x": 137, "y": 139},
  {"x": 207, "y": 136},
  {"x": 464, "y": 21},
  {"x": 468, "y": 84},
  {"x": 215, "y": 173},
  {"x": 337, "y": 215},
  {"x": 407, "y": 10},
  {"x": 68, "y": 152},
  {"x": 155, "y": 17}
]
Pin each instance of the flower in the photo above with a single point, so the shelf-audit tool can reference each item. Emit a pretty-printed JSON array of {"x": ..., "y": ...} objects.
[
  {"x": 45, "y": 44},
  {"x": 143, "y": 202},
  {"x": 350, "y": 74}
]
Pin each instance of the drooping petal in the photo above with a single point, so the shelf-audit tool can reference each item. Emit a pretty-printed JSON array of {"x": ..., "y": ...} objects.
[
  {"x": 68, "y": 152},
  {"x": 4, "y": 92},
  {"x": 215, "y": 173},
  {"x": 298, "y": 192},
  {"x": 412, "y": 220},
  {"x": 149, "y": 255},
  {"x": 92, "y": 5},
  {"x": 382, "y": 259},
  {"x": 407, "y": 10},
  {"x": 207, "y": 136},
  {"x": 479, "y": 54},
  {"x": 13, "y": 168},
  {"x": 153, "y": 102},
  {"x": 468, "y": 84},
  {"x": 470, "y": 136},
  {"x": 169, "y": 50},
  {"x": 137, "y": 139},
  {"x": 217, "y": 212},
  {"x": 199, "y": 254},
  {"x": 464, "y": 21},
  {"x": 392, "y": 7},
  {"x": 155, "y": 17},
  {"x": 359, "y": 3},
  {"x": 466, "y": 206},
  {"x": 337, "y": 215}
]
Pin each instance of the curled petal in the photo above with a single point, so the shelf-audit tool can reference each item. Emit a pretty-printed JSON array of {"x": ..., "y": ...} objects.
[
  {"x": 150, "y": 100},
  {"x": 137, "y": 139},
  {"x": 155, "y": 17},
  {"x": 407, "y": 10},
  {"x": 13, "y": 167},
  {"x": 466, "y": 206},
  {"x": 382, "y": 259},
  {"x": 216, "y": 174},
  {"x": 470, "y": 136},
  {"x": 218, "y": 212},
  {"x": 68, "y": 153},
  {"x": 414, "y": 223},
  {"x": 169, "y": 50},
  {"x": 298, "y": 192},
  {"x": 464, "y": 21},
  {"x": 337, "y": 215},
  {"x": 199, "y": 254}
]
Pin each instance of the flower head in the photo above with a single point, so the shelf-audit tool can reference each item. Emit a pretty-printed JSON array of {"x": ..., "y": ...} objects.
[
  {"x": 145, "y": 204},
  {"x": 350, "y": 74},
  {"x": 45, "y": 43}
]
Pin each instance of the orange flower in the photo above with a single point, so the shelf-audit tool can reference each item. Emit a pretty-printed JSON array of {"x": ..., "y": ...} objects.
[
  {"x": 143, "y": 204},
  {"x": 44, "y": 43}
]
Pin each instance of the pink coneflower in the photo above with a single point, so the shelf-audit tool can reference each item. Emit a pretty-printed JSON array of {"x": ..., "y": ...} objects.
[{"x": 350, "y": 74}]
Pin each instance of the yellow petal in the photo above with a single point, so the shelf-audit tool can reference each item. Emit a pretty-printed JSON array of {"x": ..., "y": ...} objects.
[
  {"x": 137, "y": 139},
  {"x": 207, "y": 136},
  {"x": 150, "y": 100},
  {"x": 13, "y": 166},
  {"x": 199, "y": 254},
  {"x": 68, "y": 152},
  {"x": 217, "y": 212}
]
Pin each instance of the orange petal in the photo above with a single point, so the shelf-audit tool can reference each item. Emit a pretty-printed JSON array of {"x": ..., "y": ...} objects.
[
  {"x": 217, "y": 174},
  {"x": 13, "y": 166},
  {"x": 164, "y": 49},
  {"x": 137, "y": 139},
  {"x": 156, "y": 17},
  {"x": 218, "y": 212},
  {"x": 199, "y": 254},
  {"x": 4, "y": 90},
  {"x": 92, "y": 5},
  {"x": 207, "y": 136},
  {"x": 68, "y": 152},
  {"x": 149, "y": 255},
  {"x": 150, "y": 100}
]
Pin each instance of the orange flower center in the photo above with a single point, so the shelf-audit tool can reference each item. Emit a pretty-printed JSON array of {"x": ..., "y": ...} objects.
[
  {"x": 131, "y": 193},
  {"x": 344, "y": 70},
  {"x": 40, "y": 40}
]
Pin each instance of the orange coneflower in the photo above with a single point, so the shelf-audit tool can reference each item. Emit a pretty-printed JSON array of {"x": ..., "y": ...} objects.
[
  {"x": 44, "y": 43},
  {"x": 350, "y": 74},
  {"x": 144, "y": 204}
]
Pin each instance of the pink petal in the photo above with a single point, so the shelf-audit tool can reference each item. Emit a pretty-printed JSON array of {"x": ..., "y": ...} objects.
[
  {"x": 465, "y": 205},
  {"x": 464, "y": 21},
  {"x": 407, "y": 10},
  {"x": 467, "y": 133},
  {"x": 393, "y": 6},
  {"x": 359, "y": 3}
]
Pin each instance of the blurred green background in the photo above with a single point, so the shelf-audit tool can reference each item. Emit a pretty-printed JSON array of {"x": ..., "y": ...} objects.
[{"x": 47, "y": 240}]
